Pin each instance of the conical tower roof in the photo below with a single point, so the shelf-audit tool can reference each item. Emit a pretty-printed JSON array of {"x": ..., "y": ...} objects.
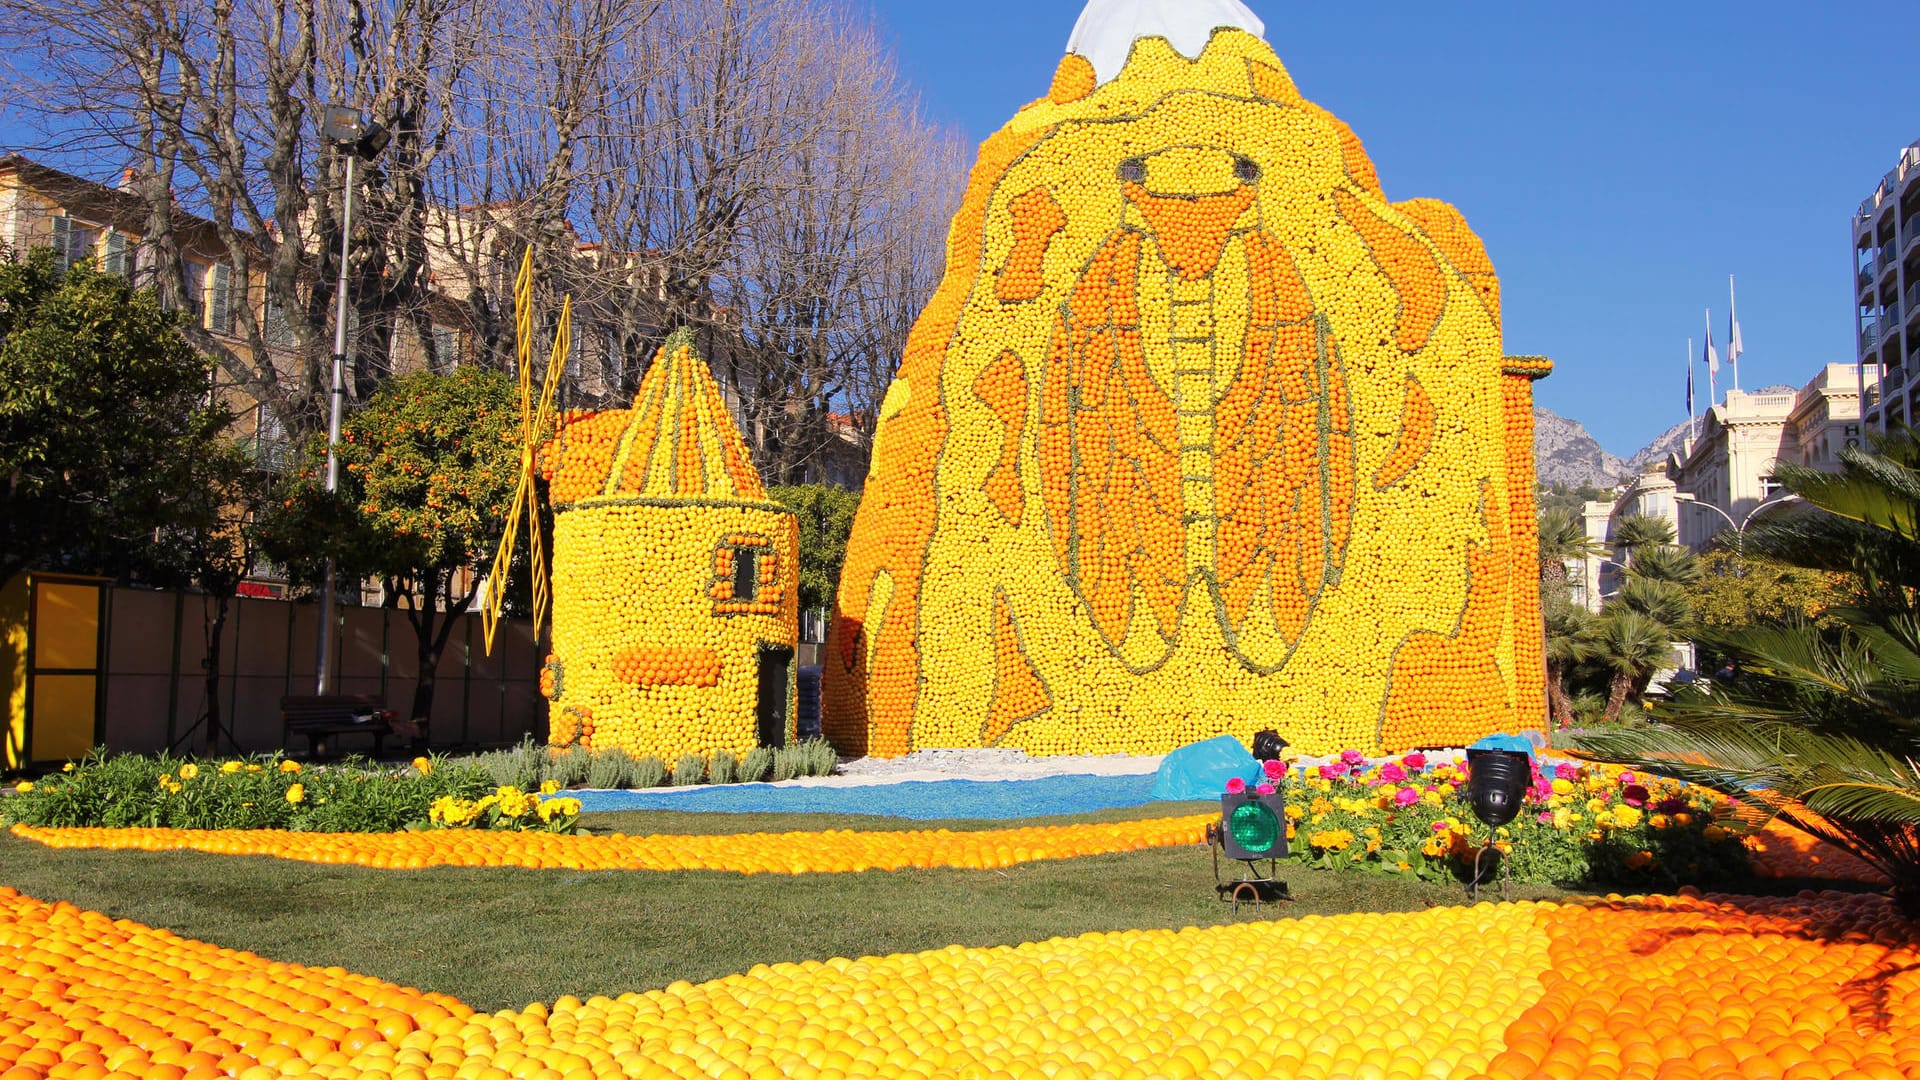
[{"x": 678, "y": 442}]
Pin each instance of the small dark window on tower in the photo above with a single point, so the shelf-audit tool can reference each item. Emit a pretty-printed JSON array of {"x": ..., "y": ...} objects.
[{"x": 746, "y": 574}]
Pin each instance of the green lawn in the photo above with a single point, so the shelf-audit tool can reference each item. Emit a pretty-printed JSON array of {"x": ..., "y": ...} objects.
[
  {"x": 502, "y": 938},
  {"x": 499, "y": 938}
]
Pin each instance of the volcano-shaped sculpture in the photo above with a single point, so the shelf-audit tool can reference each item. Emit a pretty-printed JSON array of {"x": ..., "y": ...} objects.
[{"x": 1199, "y": 435}]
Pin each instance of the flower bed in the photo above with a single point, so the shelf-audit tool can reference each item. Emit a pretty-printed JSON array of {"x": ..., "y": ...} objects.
[
  {"x": 136, "y": 791},
  {"x": 1580, "y": 824},
  {"x": 1690, "y": 987},
  {"x": 841, "y": 851}
]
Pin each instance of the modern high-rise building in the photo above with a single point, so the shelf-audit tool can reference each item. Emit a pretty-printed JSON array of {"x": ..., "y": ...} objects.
[{"x": 1886, "y": 274}]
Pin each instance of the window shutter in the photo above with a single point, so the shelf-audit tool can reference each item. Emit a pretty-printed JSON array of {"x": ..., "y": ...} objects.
[
  {"x": 63, "y": 241},
  {"x": 219, "y": 296},
  {"x": 116, "y": 256}
]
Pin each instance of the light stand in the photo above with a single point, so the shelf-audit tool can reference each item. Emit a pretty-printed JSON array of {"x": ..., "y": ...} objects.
[{"x": 357, "y": 138}]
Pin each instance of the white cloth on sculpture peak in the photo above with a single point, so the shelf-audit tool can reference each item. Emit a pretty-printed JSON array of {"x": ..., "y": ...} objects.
[{"x": 1108, "y": 28}]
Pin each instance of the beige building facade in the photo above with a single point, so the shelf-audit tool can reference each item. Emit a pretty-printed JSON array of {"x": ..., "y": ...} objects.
[
  {"x": 1723, "y": 477},
  {"x": 1886, "y": 283}
]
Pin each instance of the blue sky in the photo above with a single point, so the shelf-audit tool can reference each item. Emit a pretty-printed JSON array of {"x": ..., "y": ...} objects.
[{"x": 1619, "y": 160}]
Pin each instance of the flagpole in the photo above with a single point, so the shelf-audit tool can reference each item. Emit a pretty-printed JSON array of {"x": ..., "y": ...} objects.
[
  {"x": 1733, "y": 334},
  {"x": 1713, "y": 365},
  {"x": 1693, "y": 421}
]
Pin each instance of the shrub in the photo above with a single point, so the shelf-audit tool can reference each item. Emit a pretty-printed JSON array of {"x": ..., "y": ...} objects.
[
  {"x": 648, "y": 772},
  {"x": 689, "y": 770},
  {"x": 568, "y": 767},
  {"x": 517, "y": 766},
  {"x": 756, "y": 765},
  {"x": 135, "y": 790},
  {"x": 721, "y": 769},
  {"x": 610, "y": 769}
]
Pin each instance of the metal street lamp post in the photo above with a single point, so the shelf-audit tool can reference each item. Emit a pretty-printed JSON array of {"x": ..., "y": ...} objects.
[
  {"x": 1739, "y": 527},
  {"x": 358, "y": 138}
]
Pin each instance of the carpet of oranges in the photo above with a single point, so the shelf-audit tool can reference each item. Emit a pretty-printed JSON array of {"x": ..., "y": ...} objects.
[
  {"x": 1200, "y": 434},
  {"x": 654, "y": 508},
  {"x": 838, "y": 851},
  {"x": 1782, "y": 851},
  {"x": 1818, "y": 987}
]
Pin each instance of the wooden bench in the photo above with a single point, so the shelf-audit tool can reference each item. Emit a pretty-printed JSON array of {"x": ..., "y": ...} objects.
[{"x": 318, "y": 717}]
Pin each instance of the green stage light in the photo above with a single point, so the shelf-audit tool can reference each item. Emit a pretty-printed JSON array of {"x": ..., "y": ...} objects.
[{"x": 1253, "y": 825}]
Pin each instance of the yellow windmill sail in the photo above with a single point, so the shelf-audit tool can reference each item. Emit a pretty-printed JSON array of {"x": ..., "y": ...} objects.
[{"x": 534, "y": 420}]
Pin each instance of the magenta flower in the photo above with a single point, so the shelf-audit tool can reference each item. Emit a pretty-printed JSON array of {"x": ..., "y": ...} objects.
[
  {"x": 1264, "y": 789},
  {"x": 1406, "y": 796},
  {"x": 1415, "y": 761},
  {"x": 1236, "y": 785},
  {"x": 1567, "y": 772},
  {"x": 1635, "y": 795},
  {"x": 1439, "y": 826},
  {"x": 1671, "y": 807},
  {"x": 1545, "y": 817},
  {"x": 1627, "y": 778},
  {"x": 1332, "y": 772},
  {"x": 1392, "y": 774},
  {"x": 1274, "y": 769},
  {"x": 1352, "y": 757}
]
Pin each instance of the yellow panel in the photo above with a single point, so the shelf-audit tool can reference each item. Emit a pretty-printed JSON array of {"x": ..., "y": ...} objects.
[
  {"x": 13, "y": 672},
  {"x": 62, "y": 716},
  {"x": 66, "y": 625}
]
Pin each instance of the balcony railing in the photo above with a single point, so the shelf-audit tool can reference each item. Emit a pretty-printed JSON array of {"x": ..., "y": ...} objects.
[
  {"x": 1913, "y": 299},
  {"x": 1869, "y": 333},
  {"x": 1893, "y": 378}
]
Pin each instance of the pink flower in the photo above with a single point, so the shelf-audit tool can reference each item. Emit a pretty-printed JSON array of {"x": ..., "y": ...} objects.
[
  {"x": 1627, "y": 778},
  {"x": 1565, "y": 771},
  {"x": 1352, "y": 757},
  {"x": 1545, "y": 817},
  {"x": 1406, "y": 796},
  {"x": 1415, "y": 761},
  {"x": 1439, "y": 826},
  {"x": 1635, "y": 795},
  {"x": 1392, "y": 774},
  {"x": 1274, "y": 769},
  {"x": 1264, "y": 789},
  {"x": 1332, "y": 772},
  {"x": 1236, "y": 785}
]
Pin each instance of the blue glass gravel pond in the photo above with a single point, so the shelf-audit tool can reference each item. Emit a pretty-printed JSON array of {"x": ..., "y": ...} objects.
[{"x": 919, "y": 800}]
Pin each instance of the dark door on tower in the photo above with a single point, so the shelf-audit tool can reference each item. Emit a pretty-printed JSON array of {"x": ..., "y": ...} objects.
[{"x": 776, "y": 665}]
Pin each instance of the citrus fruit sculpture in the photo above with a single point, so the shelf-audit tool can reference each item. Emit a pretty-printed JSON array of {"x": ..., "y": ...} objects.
[
  {"x": 1199, "y": 435},
  {"x": 675, "y": 592}
]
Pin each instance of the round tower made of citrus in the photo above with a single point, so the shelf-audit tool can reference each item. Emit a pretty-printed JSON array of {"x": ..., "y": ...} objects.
[
  {"x": 1200, "y": 434},
  {"x": 675, "y": 584}
]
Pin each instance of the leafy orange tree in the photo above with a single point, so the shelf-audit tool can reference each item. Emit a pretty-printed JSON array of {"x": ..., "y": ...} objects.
[{"x": 428, "y": 466}]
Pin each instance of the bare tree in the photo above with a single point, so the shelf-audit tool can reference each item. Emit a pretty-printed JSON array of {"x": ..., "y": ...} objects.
[{"x": 753, "y": 169}]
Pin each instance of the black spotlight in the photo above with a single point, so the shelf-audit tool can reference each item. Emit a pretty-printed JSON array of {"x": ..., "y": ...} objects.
[
  {"x": 1497, "y": 782},
  {"x": 1268, "y": 745},
  {"x": 1252, "y": 827}
]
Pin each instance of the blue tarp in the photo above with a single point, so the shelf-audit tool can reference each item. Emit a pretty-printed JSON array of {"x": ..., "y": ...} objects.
[
  {"x": 1505, "y": 742},
  {"x": 1201, "y": 770},
  {"x": 919, "y": 800}
]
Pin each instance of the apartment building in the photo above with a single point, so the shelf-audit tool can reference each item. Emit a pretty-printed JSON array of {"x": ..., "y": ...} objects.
[
  {"x": 80, "y": 219},
  {"x": 1722, "y": 477},
  {"x": 1886, "y": 282}
]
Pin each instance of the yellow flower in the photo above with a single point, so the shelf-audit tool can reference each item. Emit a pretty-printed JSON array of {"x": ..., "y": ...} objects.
[
  {"x": 1595, "y": 806},
  {"x": 1562, "y": 787},
  {"x": 289, "y": 766},
  {"x": 1432, "y": 798},
  {"x": 230, "y": 766},
  {"x": 1716, "y": 832},
  {"x": 423, "y": 766},
  {"x": 189, "y": 771},
  {"x": 1658, "y": 821},
  {"x": 1627, "y": 816},
  {"x": 296, "y": 794},
  {"x": 24, "y": 786},
  {"x": 174, "y": 787},
  {"x": 548, "y": 787},
  {"x": 68, "y": 767},
  {"x": 253, "y": 768}
]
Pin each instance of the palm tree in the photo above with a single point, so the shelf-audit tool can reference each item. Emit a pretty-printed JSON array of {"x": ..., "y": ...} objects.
[
  {"x": 1566, "y": 623},
  {"x": 1563, "y": 539},
  {"x": 1666, "y": 562},
  {"x": 1636, "y": 532},
  {"x": 1630, "y": 646},
  {"x": 1822, "y": 729}
]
